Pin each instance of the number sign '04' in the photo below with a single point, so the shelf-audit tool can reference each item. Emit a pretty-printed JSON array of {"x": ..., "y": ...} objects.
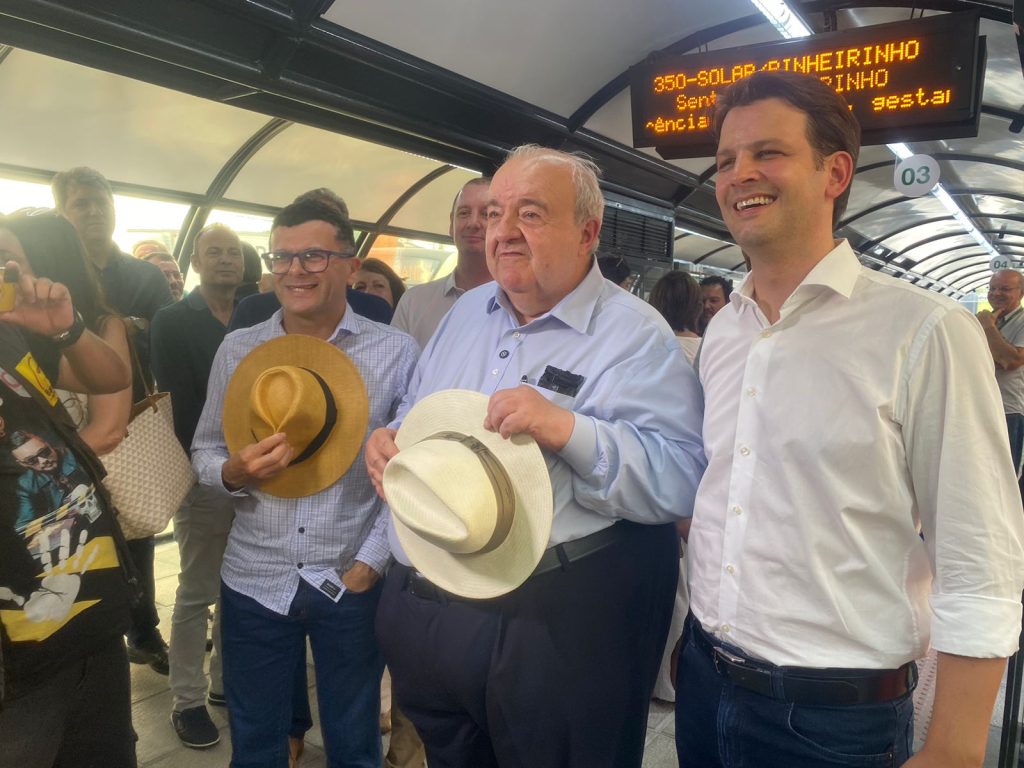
[{"x": 908, "y": 81}]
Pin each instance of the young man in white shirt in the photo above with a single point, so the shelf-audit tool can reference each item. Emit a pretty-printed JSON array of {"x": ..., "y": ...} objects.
[{"x": 834, "y": 536}]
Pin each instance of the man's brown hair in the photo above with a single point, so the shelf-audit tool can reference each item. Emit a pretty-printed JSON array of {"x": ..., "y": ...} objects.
[{"x": 831, "y": 126}]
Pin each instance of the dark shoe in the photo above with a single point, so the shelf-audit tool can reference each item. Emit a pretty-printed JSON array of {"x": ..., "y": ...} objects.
[
  {"x": 195, "y": 728},
  {"x": 216, "y": 699},
  {"x": 155, "y": 655}
]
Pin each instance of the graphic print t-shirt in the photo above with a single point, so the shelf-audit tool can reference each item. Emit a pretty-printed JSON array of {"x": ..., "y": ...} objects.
[{"x": 62, "y": 590}]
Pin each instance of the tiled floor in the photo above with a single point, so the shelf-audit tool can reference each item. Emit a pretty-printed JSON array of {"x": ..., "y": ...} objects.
[{"x": 159, "y": 747}]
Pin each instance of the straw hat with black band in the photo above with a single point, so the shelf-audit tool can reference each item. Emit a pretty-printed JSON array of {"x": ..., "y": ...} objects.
[
  {"x": 471, "y": 509},
  {"x": 308, "y": 389}
]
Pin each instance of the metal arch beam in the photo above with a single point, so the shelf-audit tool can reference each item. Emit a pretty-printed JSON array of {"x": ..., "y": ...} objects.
[
  {"x": 988, "y": 109},
  {"x": 956, "y": 157},
  {"x": 974, "y": 278},
  {"x": 970, "y": 287},
  {"x": 946, "y": 235},
  {"x": 974, "y": 261},
  {"x": 976, "y": 281},
  {"x": 937, "y": 254},
  {"x": 197, "y": 215},
  {"x": 385, "y": 220},
  {"x": 968, "y": 273},
  {"x": 701, "y": 37},
  {"x": 958, "y": 192},
  {"x": 712, "y": 252},
  {"x": 980, "y": 270},
  {"x": 924, "y": 222}
]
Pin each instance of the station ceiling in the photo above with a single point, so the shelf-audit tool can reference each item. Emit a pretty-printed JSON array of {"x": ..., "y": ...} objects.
[{"x": 245, "y": 103}]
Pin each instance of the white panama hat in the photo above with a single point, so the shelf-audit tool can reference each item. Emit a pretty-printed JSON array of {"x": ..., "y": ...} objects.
[{"x": 472, "y": 509}]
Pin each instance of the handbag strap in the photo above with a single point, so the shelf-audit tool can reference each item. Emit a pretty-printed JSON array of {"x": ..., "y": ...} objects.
[{"x": 149, "y": 399}]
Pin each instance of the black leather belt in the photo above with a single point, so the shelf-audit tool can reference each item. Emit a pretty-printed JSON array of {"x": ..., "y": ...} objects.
[
  {"x": 554, "y": 558},
  {"x": 810, "y": 687}
]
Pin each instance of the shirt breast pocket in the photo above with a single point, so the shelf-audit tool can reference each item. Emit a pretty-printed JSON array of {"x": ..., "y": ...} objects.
[{"x": 568, "y": 402}]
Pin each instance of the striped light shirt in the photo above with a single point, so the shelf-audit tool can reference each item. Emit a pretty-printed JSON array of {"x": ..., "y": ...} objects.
[{"x": 275, "y": 541}]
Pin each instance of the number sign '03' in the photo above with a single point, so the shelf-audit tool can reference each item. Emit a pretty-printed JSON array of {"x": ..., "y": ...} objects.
[
  {"x": 916, "y": 175},
  {"x": 908, "y": 81}
]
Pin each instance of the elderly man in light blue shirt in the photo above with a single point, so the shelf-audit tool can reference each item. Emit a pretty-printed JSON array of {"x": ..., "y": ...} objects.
[
  {"x": 559, "y": 671},
  {"x": 310, "y": 566}
]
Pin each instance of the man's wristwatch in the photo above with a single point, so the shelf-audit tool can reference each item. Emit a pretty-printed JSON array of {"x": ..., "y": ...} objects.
[{"x": 68, "y": 337}]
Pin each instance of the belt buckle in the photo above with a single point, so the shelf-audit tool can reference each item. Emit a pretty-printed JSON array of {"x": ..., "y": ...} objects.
[{"x": 720, "y": 654}]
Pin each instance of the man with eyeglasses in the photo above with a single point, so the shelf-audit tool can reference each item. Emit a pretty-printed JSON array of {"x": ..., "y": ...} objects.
[
  {"x": 307, "y": 567},
  {"x": 259, "y": 307}
]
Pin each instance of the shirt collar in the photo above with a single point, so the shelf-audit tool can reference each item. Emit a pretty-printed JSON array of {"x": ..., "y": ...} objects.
[
  {"x": 195, "y": 300},
  {"x": 351, "y": 324},
  {"x": 449, "y": 285},
  {"x": 575, "y": 309},
  {"x": 1007, "y": 318},
  {"x": 837, "y": 271}
]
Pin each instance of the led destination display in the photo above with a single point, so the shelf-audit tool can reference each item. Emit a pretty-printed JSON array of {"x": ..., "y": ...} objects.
[{"x": 907, "y": 81}]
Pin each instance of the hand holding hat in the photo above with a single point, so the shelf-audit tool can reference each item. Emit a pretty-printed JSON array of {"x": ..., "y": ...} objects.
[
  {"x": 472, "y": 509},
  {"x": 295, "y": 417},
  {"x": 257, "y": 462},
  {"x": 524, "y": 410}
]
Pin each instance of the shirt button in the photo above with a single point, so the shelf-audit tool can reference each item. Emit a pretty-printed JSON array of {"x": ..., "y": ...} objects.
[
  {"x": 752, "y": 391},
  {"x": 302, "y": 530},
  {"x": 737, "y": 509},
  {"x": 730, "y": 569},
  {"x": 765, "y": 334},
  {"x": 744, "y": 451},
  {"x": 494, "y": 372},
  {"x": 516, "y": 335},
  {"x": 503, "y": 354},
  {"x": 726, "y": 628},
  {"x": 299, "y": 566}
]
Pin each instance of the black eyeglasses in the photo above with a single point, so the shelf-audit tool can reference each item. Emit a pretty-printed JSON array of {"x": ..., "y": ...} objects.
[
  {"x": 311, "y": 259},
  {"x": 42, "y": 456}
]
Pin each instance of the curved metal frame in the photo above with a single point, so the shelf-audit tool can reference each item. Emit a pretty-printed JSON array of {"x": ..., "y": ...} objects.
[
  {"x": 385, "y": 219},
  {"x": 197, "y": 215}
]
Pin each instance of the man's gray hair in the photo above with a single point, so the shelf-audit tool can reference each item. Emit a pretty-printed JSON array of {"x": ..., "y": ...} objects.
[
  {"x": 1020, "y": 277},
  {"x": 589, "y": 201},
  {"x": 80, "y": 176},
  {"x": 216, "y": 227}
]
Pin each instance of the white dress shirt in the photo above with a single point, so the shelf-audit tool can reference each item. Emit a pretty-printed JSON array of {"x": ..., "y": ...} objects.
[{"x": 865, "y": 416}]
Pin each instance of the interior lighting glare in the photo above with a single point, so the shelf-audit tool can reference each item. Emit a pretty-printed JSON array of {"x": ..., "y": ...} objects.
[
  {"x": 781, "y": 17},
  {"x": 902, "y": 151}
]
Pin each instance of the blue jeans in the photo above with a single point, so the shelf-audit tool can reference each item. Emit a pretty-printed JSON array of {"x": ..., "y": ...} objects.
[
  {"x": 261, "y": 654},
  {"x": 720, "y": 725}
]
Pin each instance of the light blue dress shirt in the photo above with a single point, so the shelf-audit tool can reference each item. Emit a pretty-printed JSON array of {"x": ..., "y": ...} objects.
[
  {"x": 635, "y": 451},
  {"x": 274, "y": 542}
]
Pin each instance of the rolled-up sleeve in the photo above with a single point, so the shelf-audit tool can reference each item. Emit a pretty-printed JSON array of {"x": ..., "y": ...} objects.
[{"x": 966, "y": 489}]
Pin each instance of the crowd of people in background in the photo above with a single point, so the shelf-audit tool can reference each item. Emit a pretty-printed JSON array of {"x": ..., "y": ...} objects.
[{"x": 822, "y": 444}]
